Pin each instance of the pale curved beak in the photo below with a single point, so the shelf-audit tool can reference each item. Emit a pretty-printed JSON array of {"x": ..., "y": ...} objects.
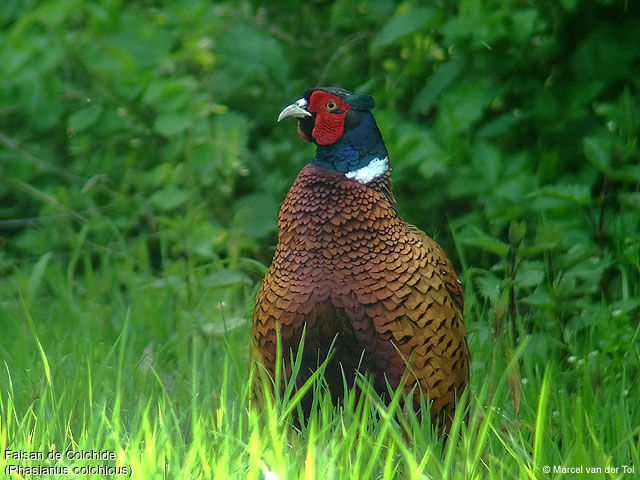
[{"x": 294, "y": 111}]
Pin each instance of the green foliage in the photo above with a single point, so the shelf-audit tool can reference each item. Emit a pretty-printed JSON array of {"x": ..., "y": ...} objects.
[{"x": 141, "y": 169}]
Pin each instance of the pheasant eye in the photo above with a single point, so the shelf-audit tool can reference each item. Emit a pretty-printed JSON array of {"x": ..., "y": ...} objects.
[{"x": 331, "y": 106}]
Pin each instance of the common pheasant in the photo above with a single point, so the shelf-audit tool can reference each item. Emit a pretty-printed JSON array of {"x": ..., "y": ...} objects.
[{"x": 351, "y": 273}]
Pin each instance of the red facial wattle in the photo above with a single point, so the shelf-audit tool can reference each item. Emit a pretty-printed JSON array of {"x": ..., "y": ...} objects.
[{"x": 329, "y": 125}]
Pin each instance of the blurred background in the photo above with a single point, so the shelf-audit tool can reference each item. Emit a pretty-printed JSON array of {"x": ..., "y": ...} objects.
[{"x": 142, "y": 168}]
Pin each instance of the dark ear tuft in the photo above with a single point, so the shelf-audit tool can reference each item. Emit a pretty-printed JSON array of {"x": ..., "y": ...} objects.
[{"x": 361, "y": 102}]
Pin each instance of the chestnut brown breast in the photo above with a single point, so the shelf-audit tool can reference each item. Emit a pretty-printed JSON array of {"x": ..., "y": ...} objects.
[{"x": 353, "y": 273}]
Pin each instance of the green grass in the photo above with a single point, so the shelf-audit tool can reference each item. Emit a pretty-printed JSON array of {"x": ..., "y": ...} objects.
[{"x": 107, "y": 361}]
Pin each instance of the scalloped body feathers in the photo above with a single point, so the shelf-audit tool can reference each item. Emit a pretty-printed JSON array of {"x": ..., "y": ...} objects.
[{"x": 348, "y": 267}]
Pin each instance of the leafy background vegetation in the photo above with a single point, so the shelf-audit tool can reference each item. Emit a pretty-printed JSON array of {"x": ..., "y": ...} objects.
[{"x": 141, "y": 171}]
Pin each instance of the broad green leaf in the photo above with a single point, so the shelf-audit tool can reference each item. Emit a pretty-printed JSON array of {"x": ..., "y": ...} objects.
[
  {"x": 630, "y": 199},
  {"x": 84, "y": 118},
  {"x": 202, "y": 239},
  {"x": 248, "y": 57},
  {"x": 462, "y": 105},
  {"x": 500, "y": 125},
  {"x": 627, "y": 305},
  {"x": 438, "y": 83},
  {"x": 627, "y": 173},
  {"x": 401, "y": 24},
  {"x": 146, "y": 43},
  {"x": 598, "y": 152},
  {"x": 418, "y": 147},
  {"x": 578, "y": 194},
  {"x": 225, "y": 278},
  {"x": 170, "y": 124},
  {"x": 539, "y": 298},
  {"x": 486, "y": 242},
  {"x": 220, "y": 327},
  {"x": 169, "y": 198},
  {"x": 603, "y": 58},
  {"x": 257, "y": 214},
  {"x": 537, "y": 248},
  {"x": 530, "y": 274},
  {"x": 166, "y": 95},
  {"x": 487, "y": 161},
  {"x": 229, "y": 143},
  {"x": 569, "y": 5},
  {"x": 631, "y": 252},
  {"x": 53, "y": 13},
  {"x": 524, "y": 22},
  {"x": 14, "y": 59},
  {"x": 489, "y": 287}
]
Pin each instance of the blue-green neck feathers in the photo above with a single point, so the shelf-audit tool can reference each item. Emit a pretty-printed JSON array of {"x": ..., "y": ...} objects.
[{"x": 359, "y": 145}]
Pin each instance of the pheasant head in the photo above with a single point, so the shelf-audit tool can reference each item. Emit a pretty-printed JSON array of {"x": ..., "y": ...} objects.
[{"x": 342, "y": 126}]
